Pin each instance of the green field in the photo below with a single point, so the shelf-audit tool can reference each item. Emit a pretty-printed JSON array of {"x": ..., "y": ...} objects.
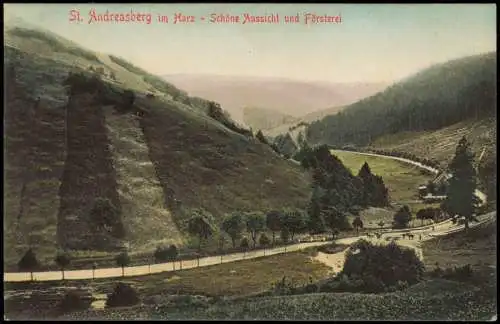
[
  {"x": 400, "y": 178},
  {"x": 240, "y": 278}
]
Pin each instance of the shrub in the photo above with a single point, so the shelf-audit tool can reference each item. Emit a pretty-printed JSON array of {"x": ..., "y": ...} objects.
[
  {"x": 188, "y": 301},
  {"x": 104, "y": 213},
  {"x": 264, "y": 240},
  {"x": 448, "y": 273},
  {"x": 217, "y": 113},
  {"x": 372, "y": 284},
  {"x": 312, "y": 288},
  {"x": 402, "y": 217},
  {"x": 160, "y": 254},
  {"x": 62, "y": 260},
  {"x": 380, "y": 265},
  {"x": 73, "y": 301},
  {"x": 28, "y": 262},
  {"x": 463, "y": 273},
  {"x": 128, "y": 98},
  {"x": 354, "y": 284},
  {"x": 244, "y": 243},
  {"x": 283, "y": 287},
  {"x": 122, "y": 295},
  {"x": 356, "y": 209},
  {"x": 261, "y": 137},
  {"x": 313, "y": 251},
  {"x": 163, "y": 253},
  {"x": 402, "y": 285},
  {"x": 285, "y": 235},
  {"x": 123, "y": 260},
  {"x": 437, "y": 272},
  {"x": 331, "y": 248},
  {"x": 233, "y": 225}
]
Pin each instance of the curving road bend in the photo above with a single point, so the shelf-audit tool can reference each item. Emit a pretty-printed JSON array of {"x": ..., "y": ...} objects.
[
  {"x": 336, "y": 261},
  {"x": 478, "y": 193},
  {"x": 427, "y": 232}
]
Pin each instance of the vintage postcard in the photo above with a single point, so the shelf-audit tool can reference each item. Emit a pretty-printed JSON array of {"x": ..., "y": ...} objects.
[{"x": 250, "y": 162}]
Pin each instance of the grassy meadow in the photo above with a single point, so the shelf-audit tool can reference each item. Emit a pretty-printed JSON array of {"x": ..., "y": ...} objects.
[{"x": 401, "y": 179}]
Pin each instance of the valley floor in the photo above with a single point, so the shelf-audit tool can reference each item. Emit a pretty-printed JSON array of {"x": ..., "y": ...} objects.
[
  {"x": 244, "y": 278},
  {"x": 430, "y": 299}
]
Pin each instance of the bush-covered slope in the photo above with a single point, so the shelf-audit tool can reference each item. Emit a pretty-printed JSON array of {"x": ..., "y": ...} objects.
[{"x": 174, "y": 153}]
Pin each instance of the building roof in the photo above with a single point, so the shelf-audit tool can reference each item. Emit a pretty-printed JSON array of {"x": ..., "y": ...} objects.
[{"x": 442, "y": 177}]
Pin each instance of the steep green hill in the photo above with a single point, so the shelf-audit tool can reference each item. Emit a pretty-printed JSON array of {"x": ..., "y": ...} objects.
[
  {"x": 436, "y": 97},
  {"x": 151, "y": 161}
]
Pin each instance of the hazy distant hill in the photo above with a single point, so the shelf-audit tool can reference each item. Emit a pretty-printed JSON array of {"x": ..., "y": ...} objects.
[
  {"x": 300, "y": 124},
  {"x": 264, "y": 119},
  {"x": 290, "y": 97}
]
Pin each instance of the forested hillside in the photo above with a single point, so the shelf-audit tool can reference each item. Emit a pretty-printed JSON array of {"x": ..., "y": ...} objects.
[{"x": 439, "y": 96}]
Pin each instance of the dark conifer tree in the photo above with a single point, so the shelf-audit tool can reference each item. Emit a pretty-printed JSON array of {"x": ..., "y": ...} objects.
[{"x": 462, "y": 185}]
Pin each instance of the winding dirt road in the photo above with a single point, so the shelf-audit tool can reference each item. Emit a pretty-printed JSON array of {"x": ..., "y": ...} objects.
[
  {"x": 334, "y": 260},
  {"x": 478, "y": 193}
]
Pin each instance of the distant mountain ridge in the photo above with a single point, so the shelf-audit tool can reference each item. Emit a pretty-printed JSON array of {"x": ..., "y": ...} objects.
[
  {"x": 291, "y": 97},
  {"x": 264, "y": 119},
  {"x": 294, "y": 127}
]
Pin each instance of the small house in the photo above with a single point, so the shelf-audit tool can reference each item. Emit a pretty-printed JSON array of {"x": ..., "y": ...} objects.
[
  {"x": 433, "y": 199},
  {"x": 422, "y": 191}
]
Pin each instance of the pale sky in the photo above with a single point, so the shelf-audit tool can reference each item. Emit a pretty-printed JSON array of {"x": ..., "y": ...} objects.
[{"x": 381, "y": 42}]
